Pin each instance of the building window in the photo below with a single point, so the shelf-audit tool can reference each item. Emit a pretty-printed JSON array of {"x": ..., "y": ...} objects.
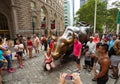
[
  {"x": 65, "y": 6},
  {"x": 3, "y": 22},
  {"x": 43, "y": 18},
  {"x": 49, "y": 2},
  {"x": 66, "y": 12},
  {"x": 66, "y": 16},
  {"x": 66, "y": 19},
  {"x": 65, "y": 2},
  {"x": 65, "y": 9},
  {"x": 33, "y": 5}
]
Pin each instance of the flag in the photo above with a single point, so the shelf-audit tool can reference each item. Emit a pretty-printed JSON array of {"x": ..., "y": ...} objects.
[
  {"x": 43, "y": 23},
  {"x": 53, "y": 24}
]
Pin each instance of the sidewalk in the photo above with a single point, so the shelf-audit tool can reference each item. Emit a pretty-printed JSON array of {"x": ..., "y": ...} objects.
[{"x": 33, "y": 72}]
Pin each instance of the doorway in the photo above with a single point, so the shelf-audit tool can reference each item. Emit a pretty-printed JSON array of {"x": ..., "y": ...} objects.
[{"x": 4, "y": 29}]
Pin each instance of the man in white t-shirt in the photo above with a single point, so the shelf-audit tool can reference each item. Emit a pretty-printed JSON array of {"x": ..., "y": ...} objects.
[
  {"x": 91, "y": 45},
  {"x": 92, "y": 48},
  {"x": 36, "y": 43}
]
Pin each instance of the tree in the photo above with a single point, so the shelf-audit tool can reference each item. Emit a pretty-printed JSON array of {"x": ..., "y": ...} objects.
[
  {"x": 111, "y": 18},
  {"x": 104, "y": 17}
]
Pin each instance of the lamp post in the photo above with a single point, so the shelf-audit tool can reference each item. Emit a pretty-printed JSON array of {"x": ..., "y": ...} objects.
[
  {"x": 95, "y": 16},
  {"x": 33, "y": 25}
]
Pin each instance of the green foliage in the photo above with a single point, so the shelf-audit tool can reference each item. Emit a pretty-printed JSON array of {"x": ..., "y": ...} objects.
[
  {"x": 104, "y": 16},
  {"x": 111, "y": 19}
]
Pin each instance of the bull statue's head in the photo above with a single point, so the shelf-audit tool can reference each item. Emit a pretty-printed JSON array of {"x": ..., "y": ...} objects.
[
  {"x": 62, "y": 44},
  {"x": 52, "y": 36}
]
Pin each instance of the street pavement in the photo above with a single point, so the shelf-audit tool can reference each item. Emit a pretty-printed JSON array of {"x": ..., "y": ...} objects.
[{"x": 33, "y": 72}]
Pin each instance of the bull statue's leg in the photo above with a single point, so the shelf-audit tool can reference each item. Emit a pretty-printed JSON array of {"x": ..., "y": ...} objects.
[{"x": 66, "y": 57}]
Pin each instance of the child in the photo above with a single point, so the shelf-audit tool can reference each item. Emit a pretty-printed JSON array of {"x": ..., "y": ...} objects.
[
  {"x": 30, "y": 46},
  {"x": 2, "y": 59},
  {"x": 49, "y": 62},
  {"x": 87, "y": 59},
  {"x": 8, "y": 56},
  {"x": 19, "y": 51}
]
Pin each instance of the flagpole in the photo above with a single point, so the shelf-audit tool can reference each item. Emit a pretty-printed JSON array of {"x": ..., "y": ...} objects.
[
  {"x": 118, "y": 21},
  {"x": 95, "y": 16},
  {"x": 117, "y": 31}
]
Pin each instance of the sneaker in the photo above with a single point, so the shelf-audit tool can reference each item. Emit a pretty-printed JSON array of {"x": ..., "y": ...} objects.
[
  {"x": 12, "y": 68},
  {"x": 21, "y": 66},
  {"x": 78, "y": 70},
  {"x": 113, "y": 77},
  {"x": 84, "y": 67},
  {"x": 94, "y": 79},
  {"x": 4, "y": 69},
  {"x": 10, "y": 71}
]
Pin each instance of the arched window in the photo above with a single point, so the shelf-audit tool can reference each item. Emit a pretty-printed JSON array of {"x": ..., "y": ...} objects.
[
  {"x": 3, "y": 22},
  {"x": 43, "y": 17},
  {"x": 33, "y": 5},
  {"x": 4, "y": 29}
]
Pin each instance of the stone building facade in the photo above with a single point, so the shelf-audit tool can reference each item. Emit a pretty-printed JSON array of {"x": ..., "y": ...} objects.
[{"x": 31, "y": 16}]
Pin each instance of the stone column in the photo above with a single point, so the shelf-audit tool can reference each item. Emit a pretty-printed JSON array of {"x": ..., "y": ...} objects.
[{"x": 14, "y": 15}]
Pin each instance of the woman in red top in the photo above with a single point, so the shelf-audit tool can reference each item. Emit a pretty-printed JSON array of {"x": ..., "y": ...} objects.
[
  {"x": 49, "y": 60},
  {"x": 51, "y": 44},
  {"x": 96, "y": 38},
  {"x": 30, "y": 46}
]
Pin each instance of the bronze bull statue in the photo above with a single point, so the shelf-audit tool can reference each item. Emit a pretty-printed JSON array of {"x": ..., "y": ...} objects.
[{"x": 63, "y": 46}]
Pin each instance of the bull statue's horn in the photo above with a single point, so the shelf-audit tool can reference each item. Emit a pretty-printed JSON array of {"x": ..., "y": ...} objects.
[
  {"x": 62, "y": 44},
  {"x": 52, "y": 36}
]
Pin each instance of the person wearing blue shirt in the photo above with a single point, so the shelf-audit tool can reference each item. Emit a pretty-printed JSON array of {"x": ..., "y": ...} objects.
[
  {"x": 111, "y": 42},
  {"x": 2, "y": 59}
]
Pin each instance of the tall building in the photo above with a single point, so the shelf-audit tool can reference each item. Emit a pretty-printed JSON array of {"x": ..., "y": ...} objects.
[
  {"x": 26, "y": 17},
  {"x": 75, "y": 6},
  {"x": 67, "y": 13}
]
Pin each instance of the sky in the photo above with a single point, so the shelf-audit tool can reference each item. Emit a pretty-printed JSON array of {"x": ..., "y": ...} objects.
[
  {"x": 77, "y": 3},
  {"x": 110, "y": 3}
]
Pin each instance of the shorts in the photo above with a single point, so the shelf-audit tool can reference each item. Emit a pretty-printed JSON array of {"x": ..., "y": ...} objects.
[
  {"x": 7, "y": 56},
  {"x": 48, "y": 62},
  {"x": 20, "y": 53},
  {"x": 30, "y": 47},
  {"x": 115, "y": 60},
  {"x": 76, "y": 59},
  {"x": 36, "y": 48}
]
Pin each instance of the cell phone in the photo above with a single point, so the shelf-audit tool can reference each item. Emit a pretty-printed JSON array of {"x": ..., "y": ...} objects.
[{"x": 68, "y": 77}]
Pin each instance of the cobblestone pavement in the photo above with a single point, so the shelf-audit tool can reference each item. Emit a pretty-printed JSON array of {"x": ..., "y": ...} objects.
[{"x": 33, "y": 73}]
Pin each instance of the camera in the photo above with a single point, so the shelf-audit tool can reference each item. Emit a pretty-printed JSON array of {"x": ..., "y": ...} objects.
[{"x": 68, "y": 77}]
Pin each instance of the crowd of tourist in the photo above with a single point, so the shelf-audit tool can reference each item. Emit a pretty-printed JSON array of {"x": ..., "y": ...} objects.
[
  {"x": 101, "y": 54},
  {"x": 22, "y": 46}
]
